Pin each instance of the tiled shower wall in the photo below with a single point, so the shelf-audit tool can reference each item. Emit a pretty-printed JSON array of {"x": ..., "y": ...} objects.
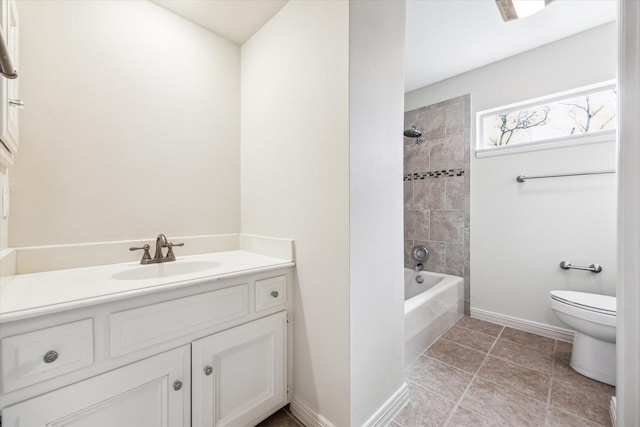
[{"x": 436, "y": 187}]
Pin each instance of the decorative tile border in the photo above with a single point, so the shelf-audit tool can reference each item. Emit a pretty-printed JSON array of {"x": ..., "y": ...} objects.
[{"x": 435, "y": 174}]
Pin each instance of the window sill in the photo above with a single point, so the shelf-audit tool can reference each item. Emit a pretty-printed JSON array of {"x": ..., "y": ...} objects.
[{"x": 549, "y": 144}]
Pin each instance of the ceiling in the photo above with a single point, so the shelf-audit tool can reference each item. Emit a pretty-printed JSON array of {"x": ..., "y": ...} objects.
[
  {"x": 236, "y": 20},
  {"x": 444, "y": 38}
]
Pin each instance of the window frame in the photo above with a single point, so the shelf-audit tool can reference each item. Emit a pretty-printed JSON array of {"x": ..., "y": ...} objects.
[{"x": 548, "y": 143}]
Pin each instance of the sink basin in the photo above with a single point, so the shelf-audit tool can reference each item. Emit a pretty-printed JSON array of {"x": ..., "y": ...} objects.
[{"x": 166, "y": 269}]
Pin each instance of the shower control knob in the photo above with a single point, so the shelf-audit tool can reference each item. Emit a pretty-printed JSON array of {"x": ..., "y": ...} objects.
[{"x": 420, "y": 253}]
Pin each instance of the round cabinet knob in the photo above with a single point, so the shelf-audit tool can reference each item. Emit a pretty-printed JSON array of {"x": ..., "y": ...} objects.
[
  {"x": 50, "y": 357},
  {"x": 177, "y": 385},
  {"x": 274, "y": 294},
  {"x": 208, "y": 370}
]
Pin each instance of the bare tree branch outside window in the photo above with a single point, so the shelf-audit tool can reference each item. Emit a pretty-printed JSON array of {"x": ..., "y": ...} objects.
[
  {"x": 560, "y": 119},
  {"x": 513, "y": 122},
  {"x": 584, "y": 113}
]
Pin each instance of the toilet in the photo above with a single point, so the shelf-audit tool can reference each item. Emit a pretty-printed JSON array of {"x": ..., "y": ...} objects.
[{"x": 593, "y": 317}]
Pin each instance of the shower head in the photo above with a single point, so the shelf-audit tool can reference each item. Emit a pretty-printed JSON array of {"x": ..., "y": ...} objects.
[{"x": 412, "y": 133}]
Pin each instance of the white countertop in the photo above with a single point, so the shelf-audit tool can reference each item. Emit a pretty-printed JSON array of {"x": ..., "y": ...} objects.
[{"x": 29, "y": 295}]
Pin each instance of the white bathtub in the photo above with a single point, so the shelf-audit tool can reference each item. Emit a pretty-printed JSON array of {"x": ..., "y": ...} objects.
[{"x": 429, "y": 308}]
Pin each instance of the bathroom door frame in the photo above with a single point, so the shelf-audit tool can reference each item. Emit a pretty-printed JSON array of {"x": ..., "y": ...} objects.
[{"x": 628, "y": 328}]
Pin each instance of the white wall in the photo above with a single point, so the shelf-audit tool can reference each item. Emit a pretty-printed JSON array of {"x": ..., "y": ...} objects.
[
  {"x": 319, "y": 164},
  {"x": 628, "y": 339},
  {"x": 376, "y": 58},
  {"x": 295, "y": 182},
  {"x": 131, "y": 126},
  {"x": 521, "y": 232}
]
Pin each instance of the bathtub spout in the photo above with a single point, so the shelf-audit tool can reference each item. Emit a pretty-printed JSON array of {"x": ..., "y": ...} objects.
[{"x": 418, "y": 267}]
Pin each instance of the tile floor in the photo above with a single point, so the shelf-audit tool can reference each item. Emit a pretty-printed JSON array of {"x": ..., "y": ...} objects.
[
  {"x": 282, "y": 418},
  {"x": 483, "y": 374}
]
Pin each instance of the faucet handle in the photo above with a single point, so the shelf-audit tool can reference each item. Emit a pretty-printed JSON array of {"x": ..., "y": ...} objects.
[
  {"x": 170, "y": 255},
  {"x": 146, "y": 255}
]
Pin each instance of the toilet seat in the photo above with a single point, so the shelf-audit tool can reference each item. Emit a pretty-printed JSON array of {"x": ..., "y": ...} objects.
[{"x": 602, "y": 304}]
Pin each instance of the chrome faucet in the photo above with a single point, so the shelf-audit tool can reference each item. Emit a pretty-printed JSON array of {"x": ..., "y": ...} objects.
[{"x": 161, "y": 242}]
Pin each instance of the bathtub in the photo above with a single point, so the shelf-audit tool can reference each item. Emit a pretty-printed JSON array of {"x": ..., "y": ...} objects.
[{"x": 430, "y": 308}]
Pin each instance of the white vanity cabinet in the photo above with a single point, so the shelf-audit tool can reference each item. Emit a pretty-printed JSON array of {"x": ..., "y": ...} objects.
[
  {"x": 209, "y": 353},
  {"x": 239, "y": 375},
  {"x": 153, "y": 392}
]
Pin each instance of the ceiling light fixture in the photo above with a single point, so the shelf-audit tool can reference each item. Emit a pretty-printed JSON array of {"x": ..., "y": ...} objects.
[{"x": 518, "y": 9}]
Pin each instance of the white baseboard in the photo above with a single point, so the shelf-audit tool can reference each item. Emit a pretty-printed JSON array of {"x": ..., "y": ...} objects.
[
  {"x": 381, "y": 418},
  {"x": 307, "y": 415},
  {"x": 385, "y": 414},
  {"x": 524, "y": 325},
  {"x": 613, "y": 407}
]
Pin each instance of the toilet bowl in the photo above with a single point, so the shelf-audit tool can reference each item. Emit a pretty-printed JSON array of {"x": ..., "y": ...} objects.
[{"x": 593, "y": 317}]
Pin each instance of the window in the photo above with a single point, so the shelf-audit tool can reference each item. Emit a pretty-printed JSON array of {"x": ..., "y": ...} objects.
[{"x": 579, "y": 116}]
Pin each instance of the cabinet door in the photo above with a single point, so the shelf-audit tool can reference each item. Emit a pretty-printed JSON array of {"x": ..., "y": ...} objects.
[
  {"x": 240, "y": 375},
  {"x": 142, "y": 394}
]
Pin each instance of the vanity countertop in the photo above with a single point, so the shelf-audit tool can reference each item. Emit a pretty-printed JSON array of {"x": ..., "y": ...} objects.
[{"x": 29, "y": 295}]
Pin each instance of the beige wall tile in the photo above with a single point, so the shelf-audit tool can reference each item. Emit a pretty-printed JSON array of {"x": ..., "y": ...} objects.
[
  {"x": 447, "y": 225},
  {"x": 429, "y": 193},
  {"x": 416, "y": 224}
]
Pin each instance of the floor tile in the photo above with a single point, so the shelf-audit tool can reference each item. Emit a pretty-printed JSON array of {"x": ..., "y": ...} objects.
[
  {"x": 425, "y": 408},
  {"x": 527, "y": 338},
  {"x": 464, "y": 418},
  {"x": 563, "y": 371},
  {"x": 446, "y": 380},
  {"x": 503, "y": 406},
  {"x": 590, "y": 401},
  {"x": 563, "y": 347},
  {"x": 470, "y": 338},
  {"x": 456, "y": 355},
  {"x": 488, "y": 328},
  {"x": 557, "y": 418},
  {"x": 282, "y": 418},
  {"x": 517, "y": 378},
  {"x": 540, "y": 359}
]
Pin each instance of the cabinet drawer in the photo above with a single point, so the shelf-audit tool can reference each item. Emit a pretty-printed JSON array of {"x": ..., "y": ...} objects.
[
  {"x": 36, "y": 356},
  {"x": 271, "y": 292},
  {"x": 146, "y": 326}
]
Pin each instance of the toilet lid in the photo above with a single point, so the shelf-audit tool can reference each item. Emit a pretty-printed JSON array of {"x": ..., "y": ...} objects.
[{"x": 594, "y": 302}]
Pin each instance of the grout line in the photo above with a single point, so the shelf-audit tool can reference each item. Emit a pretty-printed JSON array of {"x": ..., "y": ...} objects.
[
  {"x": 425, "y": 388},
  {"x": 470, "y": 348},
  {"x": 549, "y": 373},
  {"x": 450, "y": 366},
  {"x": 553, "y": 367},
  {"x": 472, "y": 380},
  {"x": 480, "y": 332},
  {"x": 530, "y": 333}
]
